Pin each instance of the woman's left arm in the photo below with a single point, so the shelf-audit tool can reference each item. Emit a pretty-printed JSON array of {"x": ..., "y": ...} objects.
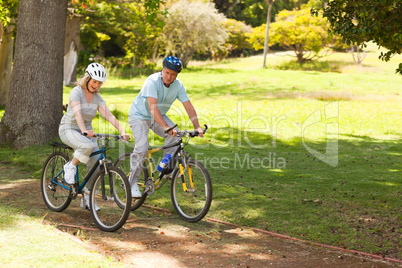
[{"x": 105, "y": 112}]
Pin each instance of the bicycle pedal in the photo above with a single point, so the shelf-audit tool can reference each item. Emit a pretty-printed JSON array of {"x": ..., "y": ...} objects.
[
  {"x": 73, "y": 192},
  {"x": 51, "y": 187}
]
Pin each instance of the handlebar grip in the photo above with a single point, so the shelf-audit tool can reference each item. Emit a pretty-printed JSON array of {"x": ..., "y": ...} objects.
[
  {"x": 169, "y": 129},
  {"x": 206, "y": 128},
  {"x": 86, "y": 134},
  {"x": 196, "y": 133}
]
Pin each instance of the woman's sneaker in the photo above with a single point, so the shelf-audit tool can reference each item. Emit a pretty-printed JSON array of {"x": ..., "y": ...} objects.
[
  {"x": 69, "y": 173},
  {"x": 85, "y": 199}
]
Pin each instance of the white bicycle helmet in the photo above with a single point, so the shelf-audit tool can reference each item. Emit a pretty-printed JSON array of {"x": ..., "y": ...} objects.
[{"x": 96, "y": 71}]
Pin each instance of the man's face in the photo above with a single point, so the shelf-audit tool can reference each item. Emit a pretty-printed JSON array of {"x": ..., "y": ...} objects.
[{"x": 168, "y": 76}]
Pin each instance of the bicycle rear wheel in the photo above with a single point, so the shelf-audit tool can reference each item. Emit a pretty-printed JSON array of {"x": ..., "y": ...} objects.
[
  {"x": 55, "y": 190},
  {"x": 107, "y": 197},
  {"x": 123, "y": 162},
  {"x": 192, "y": 203}
]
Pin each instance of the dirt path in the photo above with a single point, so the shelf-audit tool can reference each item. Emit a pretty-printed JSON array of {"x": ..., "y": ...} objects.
[{"x": 153, "y": 238}]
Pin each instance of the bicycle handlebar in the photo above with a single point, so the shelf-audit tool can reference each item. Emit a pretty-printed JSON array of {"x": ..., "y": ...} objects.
[
  {"x": 106, "y": 136},
  {"x": 192, "y": 134},
  {"x": 196, "y": 133}
]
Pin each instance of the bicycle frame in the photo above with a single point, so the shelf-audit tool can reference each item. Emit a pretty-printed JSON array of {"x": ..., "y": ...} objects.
[
  {"x": 159, "y": 183},
  {"x": 90, "y": 173}
]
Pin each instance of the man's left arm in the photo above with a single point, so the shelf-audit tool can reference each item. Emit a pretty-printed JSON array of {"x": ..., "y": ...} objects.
[{"x": 192, "y": 114}]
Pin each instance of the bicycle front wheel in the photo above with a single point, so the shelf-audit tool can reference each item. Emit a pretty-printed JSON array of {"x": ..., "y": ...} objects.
[
  {"x": 110, "y": 199},
  {"x": 191, "y": 192},
  {"x": 55, "y": 190}
]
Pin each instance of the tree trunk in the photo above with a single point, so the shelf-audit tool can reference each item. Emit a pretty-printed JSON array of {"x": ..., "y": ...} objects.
[
  {"x": 134, "y": 63},
  {"x": 6, "y": 59},
  {"x": 71, "y": 45},
  {"x": 358, "y": 59},
  {"x": 270, "y": 3},
  {"x": 34, "y": 106}
]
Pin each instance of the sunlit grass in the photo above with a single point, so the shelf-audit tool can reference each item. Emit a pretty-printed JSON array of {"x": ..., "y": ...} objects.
[
  {"x": 28, "y": 242},
  {"x": 272, "y": 127}
]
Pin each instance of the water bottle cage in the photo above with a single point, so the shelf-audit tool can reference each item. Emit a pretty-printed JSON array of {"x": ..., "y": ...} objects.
[
  {"x": 165, "y": 165},
  {"x": 166, "y": 170},
  {"x": 169, "y": 167}
]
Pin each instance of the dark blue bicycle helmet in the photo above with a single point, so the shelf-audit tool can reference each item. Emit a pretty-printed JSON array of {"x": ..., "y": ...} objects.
[{"x": 173, "y": 63}]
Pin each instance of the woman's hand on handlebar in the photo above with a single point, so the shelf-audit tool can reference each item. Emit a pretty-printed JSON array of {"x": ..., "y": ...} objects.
[{"x": 89, "y": 133}]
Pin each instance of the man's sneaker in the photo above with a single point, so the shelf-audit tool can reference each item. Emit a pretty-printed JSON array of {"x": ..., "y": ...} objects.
[
  {"x": 69, "y": 173},
  {"x": 85, "y": 199},
  {"x": 135, "y": 191}
]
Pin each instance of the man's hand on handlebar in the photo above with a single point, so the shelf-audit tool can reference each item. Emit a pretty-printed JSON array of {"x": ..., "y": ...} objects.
[
  {"x": 173, "y": 132},
  {"x": 200, "y": 132},
  {"x": 126, "y": 137}
]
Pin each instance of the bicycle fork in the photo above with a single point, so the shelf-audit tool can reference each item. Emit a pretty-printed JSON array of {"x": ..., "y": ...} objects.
[
  {"x": 183, "y": 179},
  {"x": 111, "y": 185}
]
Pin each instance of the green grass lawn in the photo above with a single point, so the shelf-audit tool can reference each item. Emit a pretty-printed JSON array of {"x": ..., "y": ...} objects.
[
  {"x": 311, "y": 154},
  {"x": 21, "y": 236}
]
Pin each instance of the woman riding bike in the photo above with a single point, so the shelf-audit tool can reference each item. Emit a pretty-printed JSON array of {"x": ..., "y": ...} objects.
[{"x": 83, "y": 104}]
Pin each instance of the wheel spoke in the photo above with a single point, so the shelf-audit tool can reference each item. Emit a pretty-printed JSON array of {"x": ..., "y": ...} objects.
[
  {"x": 109, "y": 199},
  {"x": 55, "y": 192},
  {"x": 191, "y": 192},
  {"x": 124, "y": 164}
]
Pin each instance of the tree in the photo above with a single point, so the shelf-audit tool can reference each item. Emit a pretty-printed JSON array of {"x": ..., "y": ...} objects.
[
  {"x": 358, "y": 56},
  {"x": 34, "y": 107},
  {"x": 193, "y": 27},
  {"x": 8, "y": 13},
  {"x": 236, "y": 42},
  {"x": 360, "y": 21},
  {"x": 124, "y": 28},
  {"x": 6, "y": 57},
  {"x": 270, "y": 3},
  {"x": 254, "y": 12},
  {"x": 71, "y": 46},
  {"x": 296, "y": 30}
]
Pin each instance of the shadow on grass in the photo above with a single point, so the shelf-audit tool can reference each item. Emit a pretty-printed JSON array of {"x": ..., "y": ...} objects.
[
  {"x": 265, "y": 183},
  {"x": 209, "y": 70},
  {"x": 286, "y": 189},
  {"x": 317, "y": 66}
]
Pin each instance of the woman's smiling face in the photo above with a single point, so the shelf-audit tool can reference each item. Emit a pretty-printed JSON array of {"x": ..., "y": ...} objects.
[{"x": 94, "y": 85}]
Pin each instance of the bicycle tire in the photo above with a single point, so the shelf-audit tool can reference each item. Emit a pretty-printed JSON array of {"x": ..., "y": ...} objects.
[
  {"x": 110, "y": 217},
  {"x": 192, "y": 206},
  {"x": 55, "y": 190},
  {"x": 123, "y": 162}
]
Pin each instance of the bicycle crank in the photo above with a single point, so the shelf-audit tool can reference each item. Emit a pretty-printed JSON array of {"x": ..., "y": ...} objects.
[{"x": 149, "y": 187}]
